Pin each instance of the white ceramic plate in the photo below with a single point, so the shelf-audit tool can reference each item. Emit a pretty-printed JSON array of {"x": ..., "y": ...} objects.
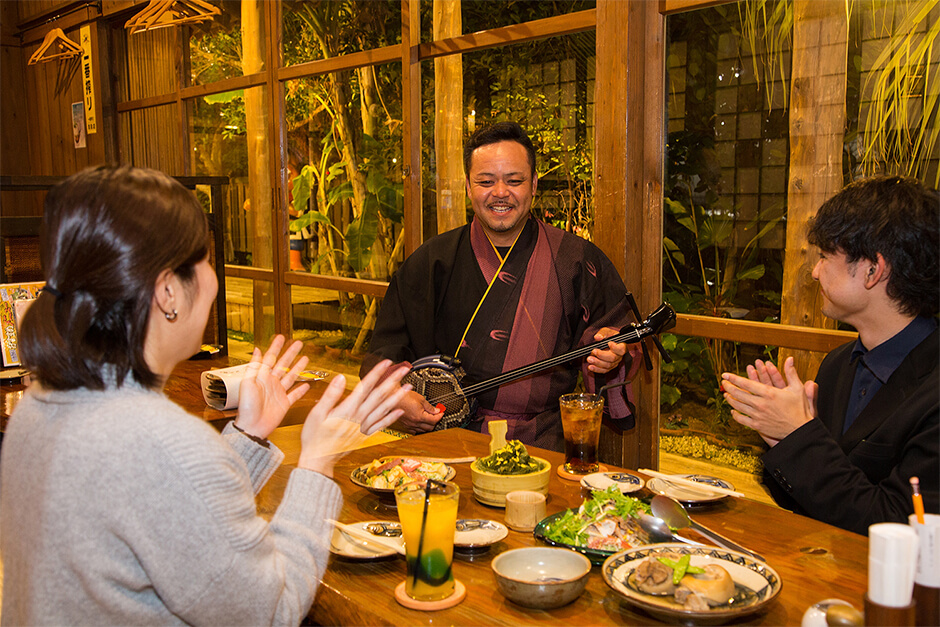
[
  {"x": 757, "y": 584},
  {"x": 626, "y": 481},
  {"x": 352, "y": 548},
  {"x": 475, "y": 534},
  {"x": 690, "y": 495}
]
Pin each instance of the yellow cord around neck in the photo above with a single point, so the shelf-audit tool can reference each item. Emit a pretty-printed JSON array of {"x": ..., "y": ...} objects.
[{"x": 502, "y": 262}]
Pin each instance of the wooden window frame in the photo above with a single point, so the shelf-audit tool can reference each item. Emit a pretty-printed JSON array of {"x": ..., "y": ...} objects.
[{"x": 628, "y": 178}]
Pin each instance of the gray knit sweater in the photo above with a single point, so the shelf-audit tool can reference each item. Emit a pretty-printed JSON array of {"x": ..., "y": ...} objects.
[{"x": 118, "y": 507}]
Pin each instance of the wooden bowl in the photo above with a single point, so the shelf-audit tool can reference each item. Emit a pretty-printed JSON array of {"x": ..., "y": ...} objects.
[{"x": 490, "y": 488}]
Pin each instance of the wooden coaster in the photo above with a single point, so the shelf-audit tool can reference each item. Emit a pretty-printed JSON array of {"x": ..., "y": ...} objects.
[
  {"x": 429, "y": 606},
  {"x": 573, "y": 476}
]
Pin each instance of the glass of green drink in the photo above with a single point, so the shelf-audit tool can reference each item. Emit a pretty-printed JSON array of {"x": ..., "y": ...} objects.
[{"x": 428, "y": 515}]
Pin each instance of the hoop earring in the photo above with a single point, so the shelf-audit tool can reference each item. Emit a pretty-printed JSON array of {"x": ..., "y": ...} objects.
[{"x": 171, "y": 316}]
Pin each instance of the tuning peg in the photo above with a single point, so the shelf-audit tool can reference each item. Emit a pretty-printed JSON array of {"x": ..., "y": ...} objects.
[
  {"x": 662, "y": 350},
  {"x": 646, "y": 356},
  {"x": 633, "y": 306}
]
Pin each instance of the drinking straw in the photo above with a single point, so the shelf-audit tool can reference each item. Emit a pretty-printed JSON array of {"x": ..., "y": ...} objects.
[
  {"x": 424, "y": 523},
  {"x": 597, "y": 396},
  {"x": 918, "y": 500}
]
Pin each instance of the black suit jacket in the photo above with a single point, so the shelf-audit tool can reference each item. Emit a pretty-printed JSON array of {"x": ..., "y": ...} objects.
[{"x": 859, "y": 478}]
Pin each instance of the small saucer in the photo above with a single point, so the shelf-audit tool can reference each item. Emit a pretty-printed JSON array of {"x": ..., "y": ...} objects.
[
  {"x": 352, "y": 549},
  {"x": 625, "y": 480},
  {"x": 460, "y": 592},
  {"x": 477, "y": 535},
  {"x": 689, "y": 495},
  {"x": 573, "y": 476}
]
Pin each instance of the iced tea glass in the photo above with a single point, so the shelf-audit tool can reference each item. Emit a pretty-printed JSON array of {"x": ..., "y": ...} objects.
[
  {"x": 581, "y": 421},
  {"x": 428, "y": 519}
]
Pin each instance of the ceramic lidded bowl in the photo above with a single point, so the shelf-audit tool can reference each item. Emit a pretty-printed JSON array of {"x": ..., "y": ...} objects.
[{"x": 541, "y": 577}]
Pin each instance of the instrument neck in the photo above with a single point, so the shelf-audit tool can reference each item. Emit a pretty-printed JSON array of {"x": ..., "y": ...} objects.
[{"x": 631, "y": 336}]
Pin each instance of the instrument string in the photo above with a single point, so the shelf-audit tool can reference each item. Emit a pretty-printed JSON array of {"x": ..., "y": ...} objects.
[{"x": 632, "y": 336}]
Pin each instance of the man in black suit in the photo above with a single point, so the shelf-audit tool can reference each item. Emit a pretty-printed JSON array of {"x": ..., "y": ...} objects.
[{"x": 843, "y": 448}]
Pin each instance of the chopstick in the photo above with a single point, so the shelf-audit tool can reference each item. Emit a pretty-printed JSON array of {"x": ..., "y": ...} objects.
[
  {"x": 366, "y": 537},
  {"x": 691, "y": 484},
  {"x": 442, "y": 460}
]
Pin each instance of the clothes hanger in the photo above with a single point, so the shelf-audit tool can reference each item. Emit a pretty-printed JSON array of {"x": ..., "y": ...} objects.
[
  {"x": 55, "y": 37},
  {"x": 160, "y": 13}
]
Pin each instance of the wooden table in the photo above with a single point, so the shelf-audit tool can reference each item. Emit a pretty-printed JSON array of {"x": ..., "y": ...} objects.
[
  {"x": 815, "y": 561},
  {"x": 184, "y": 389}
]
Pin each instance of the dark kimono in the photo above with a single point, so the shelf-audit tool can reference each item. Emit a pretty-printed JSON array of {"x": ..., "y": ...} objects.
[{"x": 553, "y": 293}]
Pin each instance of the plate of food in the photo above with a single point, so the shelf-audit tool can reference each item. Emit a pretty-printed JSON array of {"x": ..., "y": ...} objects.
[
  {"x": 692, "y": 584},
  {"x": 475, "y": 535},
  {"x": 352, "y": 547},
  {"x": 605, "y": 524},
  {"x": 687, "y": 494},
  {"x": 627, "y": 481},
  {"x": 383, "y": 475}
]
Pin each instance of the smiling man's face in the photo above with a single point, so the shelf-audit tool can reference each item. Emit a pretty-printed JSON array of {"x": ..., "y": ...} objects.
[{"x": 501, "y": 187}]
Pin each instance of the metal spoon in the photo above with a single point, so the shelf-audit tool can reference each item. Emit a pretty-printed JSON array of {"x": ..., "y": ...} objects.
[
  {"x": 659, "y": 531},
  {"x": 675, "y": 515}
]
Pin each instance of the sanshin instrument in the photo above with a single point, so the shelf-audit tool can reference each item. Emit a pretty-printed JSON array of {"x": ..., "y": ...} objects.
[{"x": 438, "y": 377}]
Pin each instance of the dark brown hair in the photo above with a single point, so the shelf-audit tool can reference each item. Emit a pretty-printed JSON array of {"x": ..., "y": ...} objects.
[
  {"x": 895, "y": 216},
  {"x": 107, "y": 234},
  {"x": 495, "y": 133}
]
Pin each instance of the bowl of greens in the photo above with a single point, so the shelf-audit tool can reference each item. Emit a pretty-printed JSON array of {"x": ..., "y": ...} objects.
[
  {"x": 606, "y": 523},
  {"x": 507, "y": 469}
]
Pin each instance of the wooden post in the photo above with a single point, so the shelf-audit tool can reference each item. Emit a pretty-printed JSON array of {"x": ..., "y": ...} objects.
[
  {"x": 411, "y": 118},
  {"x": 448, "y": 121},
  {"x": 628, "y": 187},
  {"x": 817, "y": 123},
  {"x": 259, "y": 165}
]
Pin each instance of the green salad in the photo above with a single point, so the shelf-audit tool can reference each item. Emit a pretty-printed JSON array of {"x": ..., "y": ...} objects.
[
  {"x": 606, "y": 521},
  {"x": 512, "y": 459}
]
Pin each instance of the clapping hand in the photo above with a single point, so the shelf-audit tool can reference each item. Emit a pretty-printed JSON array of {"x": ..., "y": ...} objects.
[
  {"x": 331, "y": 428},
  {"x": 772, "y": 403},
  {"x": 265, "y": 394}
]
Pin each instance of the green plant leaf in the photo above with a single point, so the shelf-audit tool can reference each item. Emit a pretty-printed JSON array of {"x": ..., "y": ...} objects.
[
  {"x": 752, "y": 273},
  {"x": 302, "y": 184},
  {"x": 360, "y": 235},
  {"x": 339, "y": 192},
  {"x": 669, "y": 394},
  {"x": 302, "y": 222},
  {"x": 224, "y": 97},
  {"x": 673, "y": 251}
]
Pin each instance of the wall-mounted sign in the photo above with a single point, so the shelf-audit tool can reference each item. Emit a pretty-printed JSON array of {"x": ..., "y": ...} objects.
[{"x": 88, "y": 84}]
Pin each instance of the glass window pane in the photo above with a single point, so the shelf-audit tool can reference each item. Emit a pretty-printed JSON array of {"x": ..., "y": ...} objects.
[
  {"x": 322, "y": 29},
  {"x": 548, "y": 87},
  {"x": 148, "y": 139},
  {"x": 334, "y": 327},
  {"x": 249, "y": 311},
  {"x": 231, "y": 44},
  {"x": 344, "y": 156},
  {"x": 224, "y": 129},
  {"x": 695, "y": 421},
  {"x": 477, "y": 16},
  {"x": 726, "y": 168},
  {"x": 892, "y": 91}
]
